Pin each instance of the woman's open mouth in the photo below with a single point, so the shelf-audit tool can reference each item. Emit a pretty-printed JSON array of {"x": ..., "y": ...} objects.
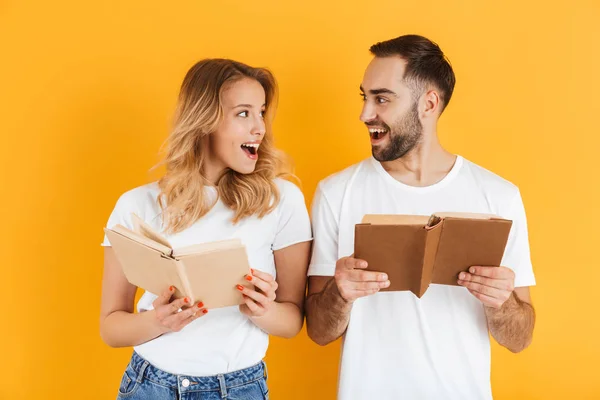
[{"x": 251, "y": 150}]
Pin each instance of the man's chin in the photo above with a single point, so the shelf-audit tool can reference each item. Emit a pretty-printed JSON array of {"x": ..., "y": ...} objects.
[{"x": 377, "y": 155}]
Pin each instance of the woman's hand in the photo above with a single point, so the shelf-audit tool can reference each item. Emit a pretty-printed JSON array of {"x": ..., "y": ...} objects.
[
  {"x": 168, "y": 314},
  {"x": 258, "y": 302}
]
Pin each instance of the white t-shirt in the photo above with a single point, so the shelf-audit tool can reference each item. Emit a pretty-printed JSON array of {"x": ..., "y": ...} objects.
[
  {"x": 396, "y": 345},
  {"x": 224, "y": 339}
]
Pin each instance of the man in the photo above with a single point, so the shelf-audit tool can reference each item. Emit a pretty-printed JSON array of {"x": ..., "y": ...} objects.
[{"x": 397, "y": 346}]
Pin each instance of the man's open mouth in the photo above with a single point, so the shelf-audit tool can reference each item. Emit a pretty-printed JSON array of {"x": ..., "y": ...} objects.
[{"x": 377, "y": 133}]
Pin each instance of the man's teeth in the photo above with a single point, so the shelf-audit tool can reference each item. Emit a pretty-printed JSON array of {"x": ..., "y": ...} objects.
[{"x": 377, "y": 130}]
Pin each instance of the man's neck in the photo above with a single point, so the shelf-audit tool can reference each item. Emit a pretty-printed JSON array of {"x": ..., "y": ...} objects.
[{"x": 425, "y": 165}]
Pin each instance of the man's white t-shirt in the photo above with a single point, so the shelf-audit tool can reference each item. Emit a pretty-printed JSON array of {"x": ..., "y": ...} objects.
[
  {"x": 224, "y": 339},
  {"x": 398, "y": 346}
]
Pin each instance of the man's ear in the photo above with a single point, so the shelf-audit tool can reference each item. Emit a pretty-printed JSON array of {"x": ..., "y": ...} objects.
[{"x": 431, "y": 103}]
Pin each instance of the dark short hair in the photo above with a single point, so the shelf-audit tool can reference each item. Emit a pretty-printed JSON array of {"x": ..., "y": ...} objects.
[{"x": 425, "y": 63}]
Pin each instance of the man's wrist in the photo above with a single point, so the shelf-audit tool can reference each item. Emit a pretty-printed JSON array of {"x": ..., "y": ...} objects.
[
  {"x": 333, "y": 289},
  {"x": 512, "y": 303}
]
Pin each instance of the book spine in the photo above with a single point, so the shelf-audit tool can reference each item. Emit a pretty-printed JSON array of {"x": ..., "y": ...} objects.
[
  {"x": 432, "y": 241},
  {"x": 187, "y": 288}
]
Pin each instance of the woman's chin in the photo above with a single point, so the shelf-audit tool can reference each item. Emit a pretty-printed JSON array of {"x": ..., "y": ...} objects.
[{"x": 245, "y": 169}]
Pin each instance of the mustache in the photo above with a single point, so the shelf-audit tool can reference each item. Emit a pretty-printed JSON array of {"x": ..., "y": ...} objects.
[{"x": 373, "y": 124}]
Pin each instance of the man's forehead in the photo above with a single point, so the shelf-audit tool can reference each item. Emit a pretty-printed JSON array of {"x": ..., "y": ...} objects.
[{"x": 384, "y": 72}]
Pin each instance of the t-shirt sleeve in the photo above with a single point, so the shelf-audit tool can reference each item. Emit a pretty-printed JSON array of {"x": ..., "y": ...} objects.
[
  {"x": 325, "y": 229},
  {"x": 517, "y": 255},
  {"x": 293, "y": 225},
  {"x": 121, "y": 214}
]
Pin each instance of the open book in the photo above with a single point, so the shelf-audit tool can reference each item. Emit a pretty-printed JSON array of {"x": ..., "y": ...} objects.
[
  {"x": 207, "y": 272},
  {"x": 416, "y": 251}
]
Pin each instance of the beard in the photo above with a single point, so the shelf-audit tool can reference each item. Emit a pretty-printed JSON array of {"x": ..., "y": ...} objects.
[{"x": 405, "y": 134}]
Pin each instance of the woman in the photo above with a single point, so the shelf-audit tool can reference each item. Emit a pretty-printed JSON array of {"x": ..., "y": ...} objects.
[{"x": 223, "y": 180}]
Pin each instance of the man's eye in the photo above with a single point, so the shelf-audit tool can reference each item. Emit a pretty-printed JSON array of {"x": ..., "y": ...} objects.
[
  {"x": 381, "y": 100},
  {"x": 363, "y": 97}
]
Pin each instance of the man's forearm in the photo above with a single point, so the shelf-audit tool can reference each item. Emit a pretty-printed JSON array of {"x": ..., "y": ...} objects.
[
  {"x": 512, "y": 324},
  {"x": 327, "y": 314}
]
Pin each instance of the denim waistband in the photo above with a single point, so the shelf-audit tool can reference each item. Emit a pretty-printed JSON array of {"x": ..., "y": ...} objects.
[{"x": 145, "y": 370}]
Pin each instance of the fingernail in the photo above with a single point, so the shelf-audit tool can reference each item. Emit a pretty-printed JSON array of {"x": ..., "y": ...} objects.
[
  {"x": 204, "y": 311},
  {"x": 386, "y": 284},
  {"x": 248, "y": 277},
  {"x": 186, "y": 300},
  {"x": 364, "y": 264},
  {"x": 200, "y": 305},
  {"x": 171, "y": 288},
  {"x": 383, "y": 277},
  {"x": 461, "y": 276},
  {"x": 240, "y": 287},
  {"x": 472, "y": 270},
  {"x": 251, "y": 271}
]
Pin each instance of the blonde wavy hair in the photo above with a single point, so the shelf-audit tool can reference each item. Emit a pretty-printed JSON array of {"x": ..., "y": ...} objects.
[{"x": 198, "y": 113}]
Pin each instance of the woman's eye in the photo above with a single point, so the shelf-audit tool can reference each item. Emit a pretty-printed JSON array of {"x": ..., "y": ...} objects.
[
  {"x": 243, "y": 114},
  {"x": 262, "y": 113}
]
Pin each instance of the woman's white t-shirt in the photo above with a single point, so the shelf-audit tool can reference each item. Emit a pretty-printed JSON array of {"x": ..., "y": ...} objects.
[{"x": 224, "y": 339}]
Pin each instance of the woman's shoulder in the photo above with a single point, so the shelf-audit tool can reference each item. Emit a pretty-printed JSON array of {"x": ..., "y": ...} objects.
[
  {"x": 288, "y": 189},
  {"x": 139, "y": 199},
  {"x": 141, "y": 194}
]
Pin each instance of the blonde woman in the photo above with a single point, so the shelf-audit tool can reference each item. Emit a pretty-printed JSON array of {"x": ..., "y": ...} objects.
[{"x": 223, "y": 180}]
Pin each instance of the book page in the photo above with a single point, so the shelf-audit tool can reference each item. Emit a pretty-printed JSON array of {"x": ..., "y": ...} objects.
[
  {"x": 202, "y": 248},
  {"x": 466, "y": 215},
  {"x": 144, "y": 229},
  {"x": 136, "y": 237},
  {"x": 395, "y": 219}
]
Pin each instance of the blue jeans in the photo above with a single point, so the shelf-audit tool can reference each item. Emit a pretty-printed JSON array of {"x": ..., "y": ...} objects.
[{"x": 142, "y": 380}]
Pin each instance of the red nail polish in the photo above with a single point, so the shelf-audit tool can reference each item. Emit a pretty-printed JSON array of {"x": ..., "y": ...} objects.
[
  {"x": 171, "y": 288},
  {"x": 240, "y": 287},
  {"x": 186, "y": 300},
  {"x": 204, "y": 311},
  {"x": 248, "y": 278},
  {"x": 200, "y": 305}
]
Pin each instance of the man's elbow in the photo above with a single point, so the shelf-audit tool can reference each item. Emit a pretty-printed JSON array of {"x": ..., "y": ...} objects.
[
  {"x": 316, "y": 337},
  {"x": 519, "y": 347}
]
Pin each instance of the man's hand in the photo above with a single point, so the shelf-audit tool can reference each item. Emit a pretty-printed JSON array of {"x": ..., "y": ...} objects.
[
  {"x": 353, "y": 282},
  {"x": 491, "y": 285}
]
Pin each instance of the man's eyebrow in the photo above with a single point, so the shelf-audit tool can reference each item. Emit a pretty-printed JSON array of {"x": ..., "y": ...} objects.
[{"x": 379, "y": 91}]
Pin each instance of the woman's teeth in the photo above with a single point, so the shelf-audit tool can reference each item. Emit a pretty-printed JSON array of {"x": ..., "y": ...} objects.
[{"x": 252, "y": 148}]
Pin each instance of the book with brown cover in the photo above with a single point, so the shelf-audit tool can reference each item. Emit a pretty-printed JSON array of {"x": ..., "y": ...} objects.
[
  {"x": 207, "y": 272},
  {"x": 415, "y": 251}
]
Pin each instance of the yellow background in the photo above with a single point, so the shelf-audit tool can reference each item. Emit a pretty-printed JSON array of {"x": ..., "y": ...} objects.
[{"x": 86, "y": 94}]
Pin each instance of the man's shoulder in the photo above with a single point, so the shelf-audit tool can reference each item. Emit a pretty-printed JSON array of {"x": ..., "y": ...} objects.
[
  {"x": 490, "y": 182},
  {"x": 338, "y": 181}
]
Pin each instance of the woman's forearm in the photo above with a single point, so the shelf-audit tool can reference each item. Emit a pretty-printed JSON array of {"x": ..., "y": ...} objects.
[
  {"x": 124, "y": 329},
  {"x": 283, "y": 320}
]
